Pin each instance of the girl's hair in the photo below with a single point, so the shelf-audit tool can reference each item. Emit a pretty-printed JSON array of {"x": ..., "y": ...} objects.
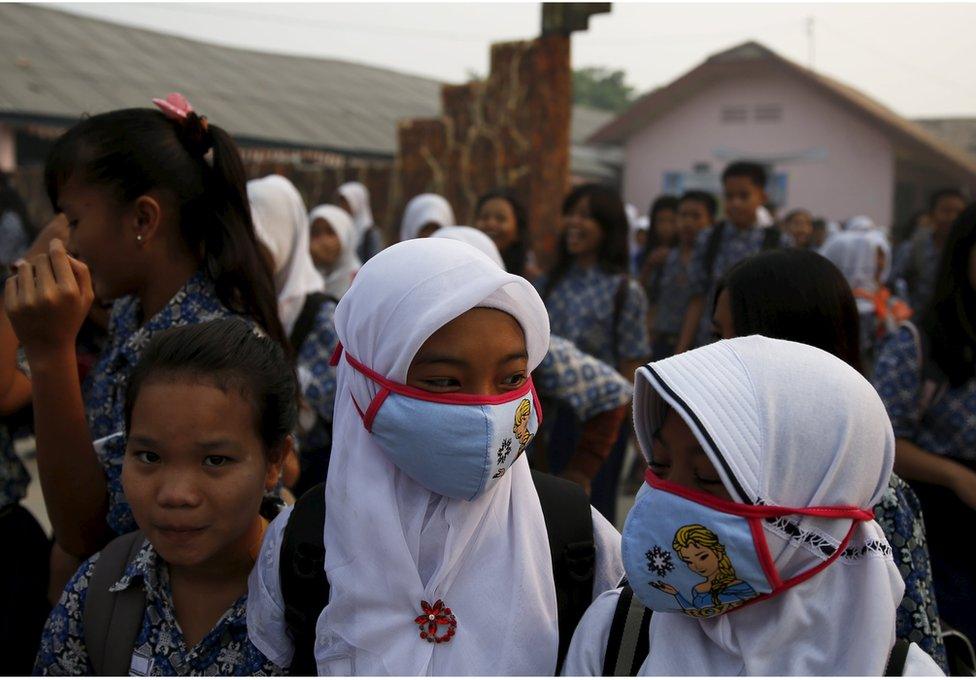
[
  {"x": 949, "y": 321},
  {"x": 665, "y": 202},
  {"x": 133, "y": 151},
  {"x": 514, "y": 256},
  {"x": 795, "y": 295},
  {"x": 230, "y": 354},
  {"x": 697, "y": 535},
  {"x": 608, "y": 211}
]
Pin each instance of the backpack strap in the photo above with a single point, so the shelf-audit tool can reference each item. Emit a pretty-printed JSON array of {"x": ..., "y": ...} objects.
[
  {"x": 304, "y": 586},
  {"x": 569, "y": 524},
  {"x": 306, "y": 318},
  {"x": 772, "y": 237},
  {"x": 619, "y": 299},
  {"x": 897, "y": 658},
  {"x": 628, "y": 643},
  {"x": 113, "y": 619},
  {"x": 711, "y": 250}
]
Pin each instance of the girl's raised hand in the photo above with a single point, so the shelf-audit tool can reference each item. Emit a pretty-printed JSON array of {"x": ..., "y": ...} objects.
[{"x": 47, "y": 301}]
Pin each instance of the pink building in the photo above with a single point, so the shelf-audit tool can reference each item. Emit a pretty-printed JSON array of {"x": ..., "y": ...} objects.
[{"x": 829, "y": 148}]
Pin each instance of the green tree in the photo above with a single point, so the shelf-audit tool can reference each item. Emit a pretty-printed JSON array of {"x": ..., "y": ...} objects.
[{"x": 601, "y": 88}]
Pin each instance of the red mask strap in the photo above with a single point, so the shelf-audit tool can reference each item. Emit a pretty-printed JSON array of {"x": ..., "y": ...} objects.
[
  {"x": 336, "y": 355},
  {"x": 765, "y": 558}
]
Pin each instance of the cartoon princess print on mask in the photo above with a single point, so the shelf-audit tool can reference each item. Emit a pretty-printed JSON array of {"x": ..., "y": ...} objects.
[
  {"x": 521, "y": 431},
  {"x": 702, "y": 552}
]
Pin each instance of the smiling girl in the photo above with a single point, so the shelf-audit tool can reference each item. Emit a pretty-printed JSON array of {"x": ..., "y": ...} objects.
[{"x": 209, "y": 411}]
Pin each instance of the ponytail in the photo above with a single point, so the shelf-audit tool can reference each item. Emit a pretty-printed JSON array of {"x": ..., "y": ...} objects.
[{"x": 133, "y": 151}]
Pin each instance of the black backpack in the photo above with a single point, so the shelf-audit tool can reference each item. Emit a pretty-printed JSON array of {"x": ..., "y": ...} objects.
[
  {"x": 629, "y": 643},
  {"x": 305, "y": 589}
]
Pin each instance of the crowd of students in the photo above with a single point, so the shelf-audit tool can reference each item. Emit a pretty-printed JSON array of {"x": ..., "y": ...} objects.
[{"x": 267, "y": 444}]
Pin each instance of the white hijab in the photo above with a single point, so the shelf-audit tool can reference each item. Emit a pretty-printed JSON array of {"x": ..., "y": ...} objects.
[
  {"x": 795, "y": 426},
  {"x": 856, "y": 255},
  {"x": 422, "y": 210},
  {"x": 339, "y": 276},
  {"x": 487, "y": 559},
  {"x": 473, "y": 237},
  {"x": 278, "y": 212},
  {"x": 357, "y": 196}
]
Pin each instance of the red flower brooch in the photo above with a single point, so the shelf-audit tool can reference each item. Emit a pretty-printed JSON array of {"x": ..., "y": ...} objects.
[{"x": 432, "y": 619}]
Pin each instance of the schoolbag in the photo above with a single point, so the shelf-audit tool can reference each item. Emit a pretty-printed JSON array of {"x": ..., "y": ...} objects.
[
  {"x": 305, "y": 589},
  {"x": 306, "y": 318},
  {"x": 629, "y": 642},
  {"x": 113, "y": 619},
  {"x": 772, "y": 237}
]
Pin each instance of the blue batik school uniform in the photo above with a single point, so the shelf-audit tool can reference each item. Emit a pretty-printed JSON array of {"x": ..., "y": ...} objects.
[
  {"x": 734, "y": 246},
  {"x": 581, "y": 309},
  {"x": 318, "y": 384},
  {"x": 159, "y": 647},
  {"x": 195, "y": 302},
  {"x": 947, "y": 427}
]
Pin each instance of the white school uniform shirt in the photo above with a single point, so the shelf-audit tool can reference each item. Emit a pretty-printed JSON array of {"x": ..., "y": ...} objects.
[
  {"x": 748, "y": 402},
  {"x": 391, "y": 543}
]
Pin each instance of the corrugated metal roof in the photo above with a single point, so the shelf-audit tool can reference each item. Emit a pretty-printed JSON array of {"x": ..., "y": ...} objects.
[{"x": 59, "y": 65}]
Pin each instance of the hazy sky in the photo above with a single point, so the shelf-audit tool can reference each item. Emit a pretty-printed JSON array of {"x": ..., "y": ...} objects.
[{"x": 915, "y": 58}]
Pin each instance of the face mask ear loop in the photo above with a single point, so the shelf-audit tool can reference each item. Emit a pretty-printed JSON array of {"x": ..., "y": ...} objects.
[
  {"x": 374, "y": 408},
  {"x": 800, "y": 578},
  {"x": 765, "y": 558}
]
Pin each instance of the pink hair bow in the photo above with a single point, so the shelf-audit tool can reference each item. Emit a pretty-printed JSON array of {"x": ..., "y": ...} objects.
[{"x": 175, "y": 106}]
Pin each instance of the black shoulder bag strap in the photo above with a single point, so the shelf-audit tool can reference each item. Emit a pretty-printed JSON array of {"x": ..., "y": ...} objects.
[
  {"x": 628, "y": 643},
  {"x": 619, "y": 299},
  {"x": 897, "y": 658},
  {"x": 711, "y": 250},
  {"x": 569, "y": 524},
  {"x": 304, "y": 586},
  {"x": 306, "y": 318},
  {"x": 112, "y": 620}
]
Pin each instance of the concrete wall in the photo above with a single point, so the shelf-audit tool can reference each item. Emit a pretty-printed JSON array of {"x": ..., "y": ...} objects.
[{"x": 854, "y": 175}]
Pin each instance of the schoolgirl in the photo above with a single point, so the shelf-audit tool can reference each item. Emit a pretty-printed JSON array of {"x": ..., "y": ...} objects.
[
  {"x": 595, "y": 392},
  {"x": 800, "y": 296},
  {"x": 159, "y": 220},
  {"x": 752, "y": 542},
  {"x": 696, "y": 212},
  {"x": 209, "y": 410},
  {"x": 353, "y": 197},
  {"x": 864, "y": 257},
  {"x": 333, "y": 246},
  {"x": 594, "y": 303},
  {"x": 502, "y": 217},
  {"x": 437, "y": 557},
  {"x": 307, "y": 313},
  {"x": 425, "y": 214},
  {"x": 926, "y": 376}
]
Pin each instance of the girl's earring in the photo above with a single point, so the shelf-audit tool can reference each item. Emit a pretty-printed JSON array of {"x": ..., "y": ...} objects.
[{"x": 139, "y": 238}]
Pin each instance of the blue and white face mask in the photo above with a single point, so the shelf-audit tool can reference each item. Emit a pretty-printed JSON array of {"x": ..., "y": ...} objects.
[
  {"x": 456, "y": 445},
  {"x": 692, "y": 553}
]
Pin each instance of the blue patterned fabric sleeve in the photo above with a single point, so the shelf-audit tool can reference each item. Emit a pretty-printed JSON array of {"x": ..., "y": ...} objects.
[
  {"x": 896, "y": 380},
  {"x": 62, "y": 650},
  {"x": 585, "y": 384},
  {"x": 313, "y": 358},
  {"x": 633, "y": 340}
]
